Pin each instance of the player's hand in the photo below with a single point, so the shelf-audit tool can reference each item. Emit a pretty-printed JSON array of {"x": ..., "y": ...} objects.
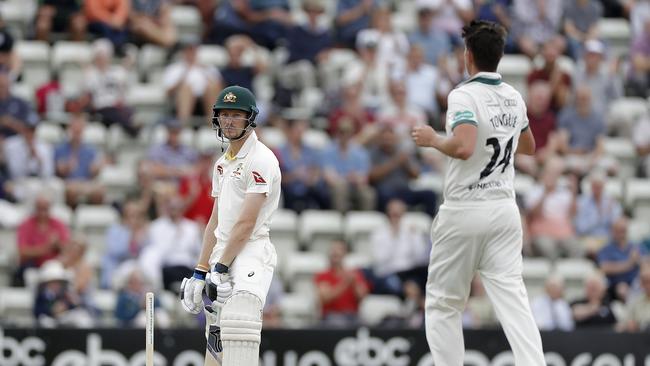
[
  {"x": 424, "y": 136},
  {"x": 219, "y": 288},
  {"x": 192, "y": 292}
]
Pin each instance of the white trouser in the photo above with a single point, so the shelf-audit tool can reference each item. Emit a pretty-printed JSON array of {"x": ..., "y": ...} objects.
[{"x": 484, "y": 238}]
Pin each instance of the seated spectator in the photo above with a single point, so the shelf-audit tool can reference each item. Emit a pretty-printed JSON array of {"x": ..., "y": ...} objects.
[
  {"x": 604, "y": 81},
  {"x": 401, "y": 114},
  {"x": 641, "y": 138},
  {"x": 271, "y": 314},
  {"x": 40, "y": 238},
  {"x": 582, "y": 130},
  {"x": 542, "y": 121},
  {"x": 535, "y": 24},
  {"x": 433, "y": 42},
  {"x": 130, "y": 306},
  {"x": 400, "y": 253},
  {"x": 50, "y": 101},
  {"x": 393, "y": 167},
  {"x": 60, "y": 16},
  {"x": 57, "y": 304},
  {"x": 236, "y": 72},
  {"x": 620, "y": 261},
  {"x": 638, "y": 78},
  {"x": 369, "y": 71},
  {"x": 106, "y": 85},
  {"x": 27, "y": 156},
  {"x": 392, "y": 45},
  {"x": 494, "y": 11},
  {"x": 581, "y": 24},
  {"x": 79, "y": 163},
  {"x": 551, "y": 72},
  {"x": 107, "y": 19},
  {"x": 196, "y": 189},
  {"x": 127, "y": 237},
  {"x": 171, "y": 160},
  {"x": 351, "y": 17},
  {"x": 596, "y": 211},
  {"x": 9, "y": 58},
  {"x": 192, "y": 86},
  {"x": 146, "y": 192},
  {"x": 637, "y": 12},
  {"x": 551, "y": 207},
  {"x": 551, "y": 310},
  {"x": 175, "y": 243},
  {"x": 479, "y": 312},
  {"x": 82, "y": 273},
  {"x": 413, "y": 310},
  {"x": 303, "y": 186},
  {"x": 353, "y": 111},
  {"x": 594, "y": 311},
  {"x": 151, "y": 21},
  {"x": 15, "y": 113},
  {"x": 340, "y": 290},
  {"x": 451, "y": 16},
  {"x": 637, "y": 312},
  {"x": 346, "y": 166}
]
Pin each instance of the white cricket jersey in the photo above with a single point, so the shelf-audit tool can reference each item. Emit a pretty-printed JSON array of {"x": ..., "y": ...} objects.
[
  {"x": 255, "y": 169},
  {"x": 499, "y": 113}
]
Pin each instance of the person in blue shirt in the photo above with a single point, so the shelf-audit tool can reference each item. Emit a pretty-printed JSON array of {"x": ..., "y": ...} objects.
[
  {"x": 434, "y": 42},
  {"x": 78, "y": 163},
  {"x": 351, "y": 17},
  {"x": 15, "y": 113},
  {"x": 303, "y": 186},
  {"x": 620, "y": 261}
]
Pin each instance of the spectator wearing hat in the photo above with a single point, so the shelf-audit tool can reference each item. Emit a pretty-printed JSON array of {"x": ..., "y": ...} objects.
[
  {"x": 392, "y": 45},
  {"x": 192, "y": 86},
  {"x": 171, "y": 160},
  {"x": 351, "y": 17},
  {"x": 195, "y": 189},
  {"x": 107, "y": 84},
  {"x": 79, "y": 163},
  {"x": 604, "y": 81},
  {"x": 108, "y": 19},
  {"x": 581, "y": 23},
  {"x": 57, "y": 304},
  {"x": 15, "y": 113},
  {"x": 40, "y": 238},
  {"x": 435, "y": 43},
  {"x": 303, "y": 185},
  {"x": 60, "y": 16},
  {"x": 536, "y": 23},
  {"x": 150, "y": 21},
  {"x": 369, "y": 71}
]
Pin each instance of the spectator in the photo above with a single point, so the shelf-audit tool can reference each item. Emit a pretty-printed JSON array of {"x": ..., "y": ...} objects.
[
  {"x": 175, "y": 242},
  {"x": 145, "y": 192},
  {"x": 28, "y": 156},
  {"x": 351, "y": 17},
  {"x": 551, "y": 72},
  {"x": 638, "y": 78},
  {"x": 595, "y": 309},
  {"x": 272, "y": 315},
  {"x": 595, "y": 213},
  {"x": 413, "y": 309},
  {"x": 78, "y": 163},
  {"x": 637, "y": 312},
  {"x": 537, "y": 23},
  {"x": 172, "y": 159},
  {"x": 551, "y": 310},
  {"x": 130, "y": 306},
  {"x": 15, "y": 113},
  {"x": 60, "y": 16},
  {"x": 479, "y": 312},
  {"x": 494, "y": 11},
  {"x": 637, "y": 12},
  {"x": 83, "y": 275},
  {"x": 401, "y": 114},
  {"x": 641, "y": 138},
  {"x": 303, "y": 186},
  {"x": 392, "y": 45},
  {"x": 433, "y": 42},
  {"x": 369, "y": 71},
  {"x": 450, "y": 16},
  {"x": 40, "y": 238},
  {"x": 400, "y": 253},
  {"x": 605, "y": 83},
  {"x": 107, "y": 19},
  {"x": 195, "y": 189},
  {"x": 581, "y": 133},
  {"x": 236, "y": 72},
  {"x": 392, "y": 169},
  {"x": 346, "y": 166},
  {"x": 352, "y": 111},
  {"x": 106, "y": 84},
  {"x": 9, "y": 59},
  {"x": 541, "y": 118},
  {"x": 581, "y": 23},
  {"x": 57, "y": 304},
  {"x": 151, "y": 21},
  {"x": 340, "y": 290},
  {"x": 551, "y": 208},
  {"x": 192, "y": 86},
  {"x": 50, "y": 101},
  {"x": 620, "y": 261},
  {"x": 127, "y": 238}
]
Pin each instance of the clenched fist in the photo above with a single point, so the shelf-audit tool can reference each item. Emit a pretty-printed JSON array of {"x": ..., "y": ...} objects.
[{"x": 424, "y": 136}]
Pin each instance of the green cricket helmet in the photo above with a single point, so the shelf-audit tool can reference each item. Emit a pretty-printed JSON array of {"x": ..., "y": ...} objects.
[{"x": 239, "y": 98}]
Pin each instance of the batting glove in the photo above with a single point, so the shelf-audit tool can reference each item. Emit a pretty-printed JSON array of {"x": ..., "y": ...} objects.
[
  {"x": 219, "y": 285},
  {"x": 192, "y": 292}
]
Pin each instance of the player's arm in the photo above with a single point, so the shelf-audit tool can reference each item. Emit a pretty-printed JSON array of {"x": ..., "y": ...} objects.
[
  {"x": 459, "y": 145},
  {"x": 209, "y": 239},
  {"x": 526, "y": 143},
  {"x": 243, "y": 228}
]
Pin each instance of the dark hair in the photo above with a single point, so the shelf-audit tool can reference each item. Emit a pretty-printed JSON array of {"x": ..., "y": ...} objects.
[{"x": 486, "y": 41}]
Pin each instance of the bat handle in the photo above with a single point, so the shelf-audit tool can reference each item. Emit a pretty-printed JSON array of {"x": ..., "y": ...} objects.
[{"x": 149, "y": 329}]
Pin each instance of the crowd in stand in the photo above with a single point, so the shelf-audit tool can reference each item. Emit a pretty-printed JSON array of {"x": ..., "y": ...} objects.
[{"x": 396, "y": 80}]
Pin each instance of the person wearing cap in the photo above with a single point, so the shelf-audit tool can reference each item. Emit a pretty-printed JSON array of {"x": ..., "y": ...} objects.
[
  {"x": 351, "y": 17},
  {"x": 172, "y": 159},
  {"x": 151, "y": 21},
  {"x": 603, "y": 79},
  {"x": 392, "y": 44},
  {"x": 191, "y": 85},
  {"x": 15, "y": 113}
]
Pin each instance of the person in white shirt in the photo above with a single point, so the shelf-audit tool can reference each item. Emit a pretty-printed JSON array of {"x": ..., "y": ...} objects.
[
  {"x": 28, "y": 156},
  {"x": 236, "y": 244},
  {"x": 551, "y": 310}
]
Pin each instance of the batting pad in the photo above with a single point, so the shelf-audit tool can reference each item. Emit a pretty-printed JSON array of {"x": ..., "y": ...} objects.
[{"x": 241, "y": 329}]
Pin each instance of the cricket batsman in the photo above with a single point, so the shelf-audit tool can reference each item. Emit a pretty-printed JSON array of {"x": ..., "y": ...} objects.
[{"x": 237, "y": 259}]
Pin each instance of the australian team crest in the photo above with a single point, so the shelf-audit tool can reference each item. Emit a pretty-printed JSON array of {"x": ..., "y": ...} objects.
[{"x": 230, "y": 98}]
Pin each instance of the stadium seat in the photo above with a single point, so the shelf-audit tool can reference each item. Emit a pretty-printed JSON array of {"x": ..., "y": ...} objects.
[
  {"x": 638, "y": 229},
  {"x": 187, "y": 20},
  {"x": 316, "y": 139},
  {"x": 318, "y": 227},
  {"x": 11, "y": 215},
  {"x": 299, "y": 268},
  {"x": 24, "y": 91},
  {"x": 62, "y": 212},
  {"x": 535, "y": 271},
  {"x": 358, "y": 260},
  {"x": 616, "y": 33},
  {"x": 35, "y": 56},
  {"x": 272, "y": 137},
  {"x": 284, "y": 233},
  {"x": 95, "y": 134},
  {"x": 18, "y": 15},
  {"x": 117, "y": 179},
  {"x": 375, "y": 308},
  {"x": 105, "y": 301},
  {"x": 514, "y": 67},
  {"x": 147, "y": 97},
  {"x": 358, "y": 226},
  {"x": 8, "y": 255},
  {"x": 619, "y": 147},
  {"x": 419, "y": 220},
  {"x": 206, "y": 138},
  {"x": 150, "y": 58},
  {"x": 212, "y": 55},
  {"x": 70, "y": 54},
  {"x": 298, "y": 310},
  {"x": 95, "y": 217},
  {"x": 523, "y": 184},
  {"x": 16, "y": 306},
  {"x": 613, "y": 187},
  {"x": 159, "y": 136},
  {"x": 50, "y": 133},
  {"x": 574, "y": 271},
  {"x": 429, "y": 181},
  {"x": 30, "y": 188},
  {"x": 623, "y": 114},
  {"x": 642, "y": 213},
  {"x": 637, "y": 192}
]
